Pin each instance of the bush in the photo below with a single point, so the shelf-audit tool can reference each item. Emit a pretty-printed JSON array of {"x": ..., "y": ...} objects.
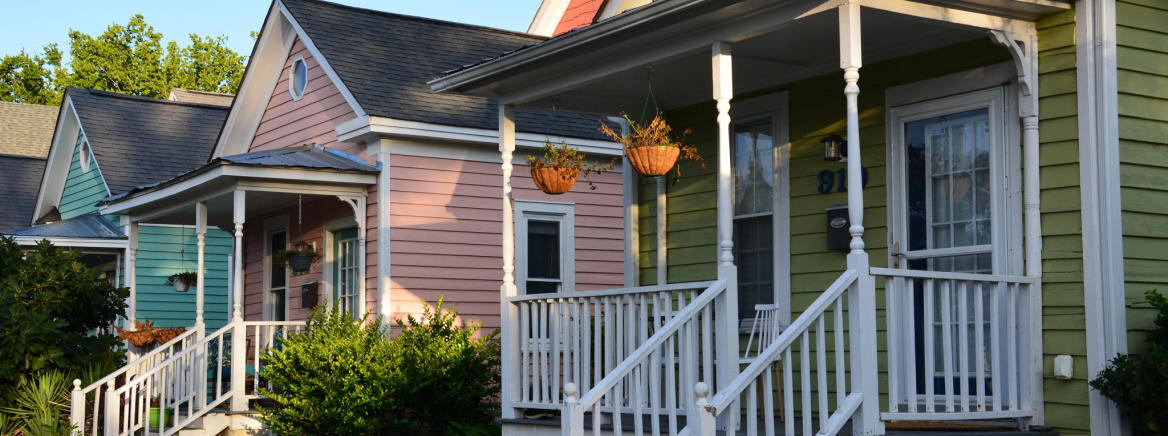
[
  {"x": 1138, "y": 383},
  {"x": 51, "y": 310},
  {"x": 40, "y": 407},
  {"x": 342, "y": 378}
]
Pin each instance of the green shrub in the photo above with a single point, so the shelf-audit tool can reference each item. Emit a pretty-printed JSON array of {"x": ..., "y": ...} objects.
[
  {"x": 342, "y": 378},
  {"x": 40, "y": 406},
  {"x": 51, "y": 310},
  {"x": 1138, "y": 383}
]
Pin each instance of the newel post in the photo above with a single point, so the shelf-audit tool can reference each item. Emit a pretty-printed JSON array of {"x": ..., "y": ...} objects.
[
  {"x": 512, "y": 384},
  {"x": 575, "y": 415},
  {"x": 77, "y": 406},
  {"x": 862, "y": 293},
  {"x": 112, "y": 409},
  {"x": 706, "y": 418}
]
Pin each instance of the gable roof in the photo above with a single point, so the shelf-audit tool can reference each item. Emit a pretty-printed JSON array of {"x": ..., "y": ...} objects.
[
  {"x": 26, "y": 129},
  {"x": 579, "y": 13},
  {"x": 142, "y": 140},
  {"x": 385, "y": 60},
  {"x": 19, "y": 185},
  {"x": 204, "y": 97}
]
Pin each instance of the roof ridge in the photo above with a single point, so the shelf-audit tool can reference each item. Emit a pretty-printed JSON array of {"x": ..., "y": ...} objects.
[
  {"x": 427, "y": 19},
  {"x": 146, "y": 99},
  {"x": 29, "y": 104},
  {"x": 23, "y": 156},
  {"x": 220, "y": 94}
]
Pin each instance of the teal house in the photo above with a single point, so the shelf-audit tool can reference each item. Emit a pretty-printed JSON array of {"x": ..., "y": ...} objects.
[{"x": 104, "y": 144}]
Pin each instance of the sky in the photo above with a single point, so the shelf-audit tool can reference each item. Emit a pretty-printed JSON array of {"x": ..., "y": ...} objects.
[{"x": 49, "y": 21}]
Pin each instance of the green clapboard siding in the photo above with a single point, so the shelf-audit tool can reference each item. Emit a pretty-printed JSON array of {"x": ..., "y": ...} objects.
[
  {"x": 83, "y": 189},
  {"x": 817, "y": 108},
  {"x": 160, "y": 254},
  {"x": 1142, "y": 36}
]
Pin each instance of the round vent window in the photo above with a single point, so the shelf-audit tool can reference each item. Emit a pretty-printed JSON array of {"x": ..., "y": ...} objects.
[{"x": 299, "y": 79}]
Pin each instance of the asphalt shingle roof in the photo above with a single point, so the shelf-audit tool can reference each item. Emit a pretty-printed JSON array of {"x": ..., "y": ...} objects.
[
  {"x": 192, "y": 96},
  {"x": 386, "y": 60},
  {"x": 140, "y": 140},
  {"x": 26, "y": 129},
  {"x": 20, "y": 182}
]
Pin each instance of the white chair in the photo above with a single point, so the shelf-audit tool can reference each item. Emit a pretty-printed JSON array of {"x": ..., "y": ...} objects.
[{"x": 765, "y": 329}]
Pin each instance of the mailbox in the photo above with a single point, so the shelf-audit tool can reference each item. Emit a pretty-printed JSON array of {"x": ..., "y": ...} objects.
[
  {"x": 309, "y": 294},
  {"x": 838, "y": 237}
]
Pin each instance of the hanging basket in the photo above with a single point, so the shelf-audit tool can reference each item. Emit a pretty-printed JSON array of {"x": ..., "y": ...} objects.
[
  {"x": 653, "y": 160},
  {"x": 300, "y": 263},
  {"x": 180, "y": 284},
  {"x": 555, "y": 180}
]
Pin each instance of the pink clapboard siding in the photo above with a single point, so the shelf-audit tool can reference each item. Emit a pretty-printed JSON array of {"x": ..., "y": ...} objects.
[
  {"x": 313, "y": 118},
  {"x": 447, "y": 226},
  {"x": 315, "y": 214}
]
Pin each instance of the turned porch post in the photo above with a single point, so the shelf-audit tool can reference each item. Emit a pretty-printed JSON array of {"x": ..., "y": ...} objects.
[
  {"x": 131, "y": 270},
  {"x": 511, "y": 385},
  {"x": 726, "y": 325},
  {"x": 200, "y": 298},
  {"x": 862, "y": 293},
  {"x": 239, "y": 332}
]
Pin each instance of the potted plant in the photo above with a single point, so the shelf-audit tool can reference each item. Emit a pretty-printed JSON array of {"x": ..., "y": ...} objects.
[
  {"x": 147, "y": 336},
  {"x": 556, "y": 172},
  {"x": 299, "y": 258},
  {"x": 159, "y": 415},
  {"x": 183, "y": 280},
  {"x": 651, "y": 150}
]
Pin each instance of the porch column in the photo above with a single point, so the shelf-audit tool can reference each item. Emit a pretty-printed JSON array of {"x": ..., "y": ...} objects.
[
  {"x": 201, "y": 230},
  {"x": 726, "y": 324},
  {"x": 862, "y": 294},
  {"x": 511, "y": 385},
  {"x": 662, "y": 236},
  {"x": 130, "y": 272},
  {"x": 239, "y": 212},
  {"x": 239, "y": 332}
]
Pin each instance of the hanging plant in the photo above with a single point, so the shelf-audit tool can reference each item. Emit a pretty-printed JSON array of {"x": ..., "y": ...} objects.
[
  {"x": 146, "y": 335},
  {"x": 651, "y": 150},
  {"x": 556, "y": 172},
  {"x": 299, "y": 258},
  {"x": 183, "y": 280}
]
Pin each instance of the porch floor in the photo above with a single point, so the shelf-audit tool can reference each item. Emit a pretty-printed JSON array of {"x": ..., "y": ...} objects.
[{"x": 627, "y": 426}]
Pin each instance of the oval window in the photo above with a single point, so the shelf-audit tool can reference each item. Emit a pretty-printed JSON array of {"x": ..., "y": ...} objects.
[{"x": 299, "y": 78}]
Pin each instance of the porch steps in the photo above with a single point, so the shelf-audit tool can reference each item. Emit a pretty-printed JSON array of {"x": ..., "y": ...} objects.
[
  {"x": 552, "y": 427},
  {"x": 222, "y": 421}
]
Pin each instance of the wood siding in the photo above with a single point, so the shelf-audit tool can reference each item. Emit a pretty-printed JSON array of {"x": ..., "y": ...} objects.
[
  {"x": 447, "y": 216},
  {"x": 166, "y": 250},
  {"x": 83, "y": 189},
  {"x": 312, "y": 119}
]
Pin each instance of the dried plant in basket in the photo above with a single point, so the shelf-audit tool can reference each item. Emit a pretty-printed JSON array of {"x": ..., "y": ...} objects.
[
  {"x": 556, "y": 172},
  {"x": 651, "y": 150}
]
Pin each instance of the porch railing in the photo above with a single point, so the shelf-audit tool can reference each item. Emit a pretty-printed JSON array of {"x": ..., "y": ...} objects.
[
  {"x": 972, "y": 359},
  {"x": 183, "y": 387}
]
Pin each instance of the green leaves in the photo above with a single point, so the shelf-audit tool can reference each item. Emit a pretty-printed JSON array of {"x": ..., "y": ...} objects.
[
  {"x": 51, "y": 307},
  {"x": 342, "y": 377},
  {"x": 1137, "y": 382},
  {"x": 128, "y": 59}
]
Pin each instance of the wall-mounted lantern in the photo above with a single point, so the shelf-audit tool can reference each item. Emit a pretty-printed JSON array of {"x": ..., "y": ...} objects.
[{"x": 835, "y": 148}]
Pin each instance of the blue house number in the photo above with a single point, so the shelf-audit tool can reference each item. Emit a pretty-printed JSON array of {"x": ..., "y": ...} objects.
[{"x": 827, "y": 180}]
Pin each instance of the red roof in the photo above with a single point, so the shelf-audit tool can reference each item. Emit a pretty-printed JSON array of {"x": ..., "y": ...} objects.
[{"x": 579, "y": 14}]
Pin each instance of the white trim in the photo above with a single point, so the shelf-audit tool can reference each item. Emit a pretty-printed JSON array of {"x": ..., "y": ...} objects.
[
  {"x": 630, "y": 190},
  {"x": 776, "y": 107},
  {"x": 330, "y": 258},
  {"x": 296, "y": 96},
  {"x": 27, "y": 241},
  {"x": 53, "y": 163},
  {"x": 1099, "y": 175},
  {"x": 565, "y": 213},
  {"x": 610, "y": 9},
  {"x": 272, "y": 225},
  {"x": 548, "y": 17},
  {"x": 380, "y": 150},
  {"x": 84, "y": 155},
  {"x": 370, "y": 128},
  {"x": 320, "y": 60}
]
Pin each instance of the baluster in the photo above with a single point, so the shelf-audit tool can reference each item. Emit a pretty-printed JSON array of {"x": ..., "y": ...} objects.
[
  {"x": 683, "y": 352},
  {"x": 805, "y": 379},
  {"x": 768, "y": 402},
  {"x": 615, "y": 401},
  {"x": 596, "y": 420},
  {"x": 893, "y": 289},
  {"x": 841, "y": 387},
  {"x": 619, "y": 347},
  {"x": 930, "y": 351},
  {"x": 598, "y": 343},
  {"x": 1012, "y": 351},
  {"x": 637, "y": 397},
  {"x": 708, "y": 345},
  {"x": 219, "y": 367},
  {"x": 979, "y": 342},
  {"x": 655, "y": 399},
  {"x": 556, "y": 361},
  {"x": 821, "y": 370},
  {"x": 643, "y": 323},
  {"x": 670, "y": 372},
  {"x": 586, "y": 321},
  {"x": 910, "y": 360},
  {"x": 525, "y": 361},
  {"x": 112, "y": 408},
  {"x": 752, "y": 408},
  {"x": 947, "y": 343},
  {"x": 963, "y": 334},
  {"x": 996, "y": 344},
  {"x": 256, "y": 353},
  {"x": 541, "y": 325}
]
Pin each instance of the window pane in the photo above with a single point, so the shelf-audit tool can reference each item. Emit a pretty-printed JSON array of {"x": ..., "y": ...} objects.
[
  {"x": 753, "y": 168},
  {"x": 543, "y": 249},
  {"x": 279, "y": 276},
  {"x": 542, "y": 287},
  {"x": 754, "y": 255}
]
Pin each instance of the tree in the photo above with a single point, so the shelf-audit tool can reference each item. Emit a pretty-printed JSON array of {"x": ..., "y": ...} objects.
[
  {"x": 52, "y": 312},
  {"x": 128, "y": 59}
]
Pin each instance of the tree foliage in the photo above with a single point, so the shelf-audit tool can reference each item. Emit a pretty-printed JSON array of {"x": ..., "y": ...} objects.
[
  {"x": 51, "y": 309},
  {"x": 1137, "y": 383},
  {"x": 128, "y": 59}
]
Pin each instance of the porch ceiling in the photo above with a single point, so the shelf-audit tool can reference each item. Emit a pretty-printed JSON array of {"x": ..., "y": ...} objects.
[{"x": 603, "y": 68}]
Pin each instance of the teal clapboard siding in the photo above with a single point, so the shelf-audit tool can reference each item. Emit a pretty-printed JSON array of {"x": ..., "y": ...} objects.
[
  {"x": 83, "y": 189},
  {"x": 166, "y": 250}
]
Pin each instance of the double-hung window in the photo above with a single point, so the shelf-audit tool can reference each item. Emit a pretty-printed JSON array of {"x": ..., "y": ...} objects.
[
  {"x": 754, "y": 200},
  {"x": 544, "y": 247},
  {"x": 276, "y": 297}
]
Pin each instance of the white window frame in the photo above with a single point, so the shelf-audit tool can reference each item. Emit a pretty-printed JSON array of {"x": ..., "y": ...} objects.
[
  {"x": 775, "y": 106},
  {"x": 275, "y": 225},
  {"x": 296, "y": 96},
  {"x": 565, "y": 214},
  {"x": 1001, "y": 162},
  {"x": 84, "y": 155},
  {"x": 330, "y": 258}
]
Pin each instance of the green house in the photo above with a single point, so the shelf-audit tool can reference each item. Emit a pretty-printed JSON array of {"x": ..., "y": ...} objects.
[
  {"x": 939, "y": 211},
  {"x": 106, "y": 143}
]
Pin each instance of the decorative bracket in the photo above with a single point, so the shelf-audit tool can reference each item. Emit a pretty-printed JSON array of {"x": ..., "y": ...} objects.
[
  {"x": 1024, "y": 50},
  {"x": 357, "y": 202}
]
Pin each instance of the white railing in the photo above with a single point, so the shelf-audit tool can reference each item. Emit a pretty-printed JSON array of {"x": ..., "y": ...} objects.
[
  {"x": 659, "y": 346},
  {"x": 184, "y": 386},
  {"x": 974, "y": 357},
  {"x": 86, "y": 401},
  {"x": 836, "y": 400}
]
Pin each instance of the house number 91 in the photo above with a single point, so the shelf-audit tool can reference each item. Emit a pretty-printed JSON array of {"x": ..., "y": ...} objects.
[{"x": 827, "y": 180}]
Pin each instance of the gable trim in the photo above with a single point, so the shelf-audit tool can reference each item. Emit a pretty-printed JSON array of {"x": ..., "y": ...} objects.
[
  {"x": 322, "y": 61},
  {"x": 52, "y": 188},
  {"x": 548, "y": 17},
  {"x": 368, "y": 129}
]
